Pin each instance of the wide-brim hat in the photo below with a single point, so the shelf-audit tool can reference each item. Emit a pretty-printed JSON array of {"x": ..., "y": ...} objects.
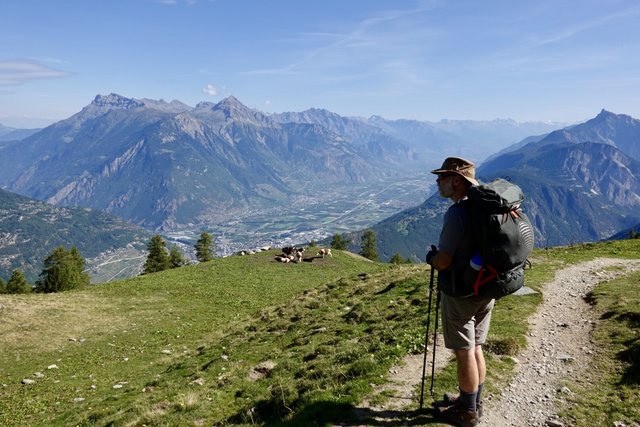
[{"x": 458, "y": 166}]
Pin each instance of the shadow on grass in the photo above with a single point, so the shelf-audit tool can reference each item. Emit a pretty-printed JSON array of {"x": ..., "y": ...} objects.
[
  {"x": 631, "y": 356},
  {"x": 370, "y": 417},
  {"x": 342, "y": 414},
  {"x": 336, "y": 414}
]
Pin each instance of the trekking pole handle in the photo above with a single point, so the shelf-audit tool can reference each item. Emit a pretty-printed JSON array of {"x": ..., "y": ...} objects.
[{"x": 431, "y": 254}]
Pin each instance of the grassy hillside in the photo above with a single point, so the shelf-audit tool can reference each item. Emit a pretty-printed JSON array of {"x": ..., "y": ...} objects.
[
  {"x": 31, "y": 229},
  {"x": 240, "y": 340}
]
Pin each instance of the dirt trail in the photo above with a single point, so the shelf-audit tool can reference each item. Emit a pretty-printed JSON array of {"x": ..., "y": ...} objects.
[{"x": 558, "y": 346}]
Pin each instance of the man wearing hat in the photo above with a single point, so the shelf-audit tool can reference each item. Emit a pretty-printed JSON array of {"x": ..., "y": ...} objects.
[{"x": 465, "y": 317}]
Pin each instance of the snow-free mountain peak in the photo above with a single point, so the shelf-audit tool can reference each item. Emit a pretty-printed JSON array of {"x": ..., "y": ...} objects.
[
  {"x": 236, "y": 110},
  {"x": 174, "y": 106},
  {"x": 113, "y": 100},
  {"x": 104, "y": 103}
]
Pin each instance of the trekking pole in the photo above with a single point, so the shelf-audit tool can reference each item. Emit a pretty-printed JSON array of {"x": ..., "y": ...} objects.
[
  {"x": 435, "y": 337},
  {"x": 426, "y": 339}
]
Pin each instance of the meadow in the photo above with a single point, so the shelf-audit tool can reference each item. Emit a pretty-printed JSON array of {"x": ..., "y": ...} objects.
[{"x": 245, "y": 340}]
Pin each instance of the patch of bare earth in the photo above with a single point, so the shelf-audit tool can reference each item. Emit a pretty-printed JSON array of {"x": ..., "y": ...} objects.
[{"x": 558, "y": 347}]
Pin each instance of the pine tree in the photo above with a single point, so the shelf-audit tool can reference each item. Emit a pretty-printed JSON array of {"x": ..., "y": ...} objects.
[
  {"x": 339, "y": 242},
  {"x": 175, "y": 257},
  {"x": 368, "y": 248},
  {"x": 158, "y": 258},
  {"x": 3, "y": 286},
  {"x": 397, "y": 258},
  {"x": 77, "y": 260},
  {"x": 205, "y": 248},
  {"x": 63, "y": 270},
  {"x": 18, "y": 284}
]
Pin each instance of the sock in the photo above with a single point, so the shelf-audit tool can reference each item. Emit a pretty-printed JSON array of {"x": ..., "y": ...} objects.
[
  {"x": 479, "y": 396},
  {"x": 468, "y": 400}
]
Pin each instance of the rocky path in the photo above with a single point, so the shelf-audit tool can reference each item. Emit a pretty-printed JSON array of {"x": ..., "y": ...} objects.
[{"x": 558, "y": 346}]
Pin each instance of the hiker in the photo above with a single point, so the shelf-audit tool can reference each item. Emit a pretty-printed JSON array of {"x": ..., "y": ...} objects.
[{"x": 465, "y": 317}]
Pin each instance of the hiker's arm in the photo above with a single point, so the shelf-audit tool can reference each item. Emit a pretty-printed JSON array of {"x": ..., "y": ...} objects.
[{"x": 442, "y": 260}]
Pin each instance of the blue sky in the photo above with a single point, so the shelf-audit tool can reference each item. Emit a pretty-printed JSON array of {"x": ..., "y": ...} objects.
[{"x": 555, "y": 60}]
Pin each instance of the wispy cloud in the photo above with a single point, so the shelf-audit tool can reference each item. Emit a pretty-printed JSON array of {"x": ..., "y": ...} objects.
[
  {"x": 386, "y": 44},
  {"x": 287, "y": 69},
  {"x": 558, "y": 46},
  {"x": 211, "y": 90},
  {"x": 567, "y": 32},
  {"x": 175, "y": 2},
  {"x": 19, "y": 71}
]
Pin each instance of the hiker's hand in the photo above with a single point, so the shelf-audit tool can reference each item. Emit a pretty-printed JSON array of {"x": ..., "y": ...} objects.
[{"x": 431, "y": 254}]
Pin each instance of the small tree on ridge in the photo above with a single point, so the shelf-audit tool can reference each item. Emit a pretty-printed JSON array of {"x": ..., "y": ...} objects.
[
  {"x": 175, "y": 257},
  {"x": 338, "y": 242},
  {"x": 205, "y": 248},
  {"x": 18, "y": 284},
  {"x": 158, "y": 257},
  {"x": 368, "y": 248},
  {"x": 63, "y": 270},
  {"x": 397, "y": 259}
]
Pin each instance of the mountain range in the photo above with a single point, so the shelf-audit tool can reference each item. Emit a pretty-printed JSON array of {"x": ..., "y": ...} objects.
[
  {"x": 168, "y": 166},
  {"x": 14, "y": 134},
  {"x": 581, "y": 185}
]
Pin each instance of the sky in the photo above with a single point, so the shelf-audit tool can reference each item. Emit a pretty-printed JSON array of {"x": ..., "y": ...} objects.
[{"x": 527, "y": 60}]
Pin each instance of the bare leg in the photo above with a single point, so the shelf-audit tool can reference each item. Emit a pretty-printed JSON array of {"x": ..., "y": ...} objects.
[
  {"x": 482, "y": 367},
  {"x": 468, "y": 375}
]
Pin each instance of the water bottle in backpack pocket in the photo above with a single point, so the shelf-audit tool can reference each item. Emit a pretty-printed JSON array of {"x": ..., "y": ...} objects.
[{"x": 473, "y": 270}]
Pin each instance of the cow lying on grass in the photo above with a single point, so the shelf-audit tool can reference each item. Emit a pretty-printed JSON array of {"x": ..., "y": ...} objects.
[{"x": 290, "y": 254}]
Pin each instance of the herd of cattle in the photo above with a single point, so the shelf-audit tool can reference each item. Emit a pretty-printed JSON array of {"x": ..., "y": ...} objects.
[{"x": 293, "y": 254}]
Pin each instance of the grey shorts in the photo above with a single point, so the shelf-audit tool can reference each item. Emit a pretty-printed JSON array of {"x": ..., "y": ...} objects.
[{"x": 465, "y": 321}]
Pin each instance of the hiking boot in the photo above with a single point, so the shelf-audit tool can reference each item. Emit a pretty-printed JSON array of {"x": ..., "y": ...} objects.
[
  {"x": 450, "y": 399},
  {"x": 457, "y": 415}
]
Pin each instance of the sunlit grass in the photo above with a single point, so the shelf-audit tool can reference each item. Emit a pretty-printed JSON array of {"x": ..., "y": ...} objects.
[
  {"x": 610, "y": 393},
  {"x": 240, "y": 340}
]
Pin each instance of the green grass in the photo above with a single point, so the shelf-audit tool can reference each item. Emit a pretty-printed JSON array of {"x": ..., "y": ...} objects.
[
  {"x": 610, "y": 392},
  {"x": 237, "y": 341},
  {"x": 142, "y": 332}
]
